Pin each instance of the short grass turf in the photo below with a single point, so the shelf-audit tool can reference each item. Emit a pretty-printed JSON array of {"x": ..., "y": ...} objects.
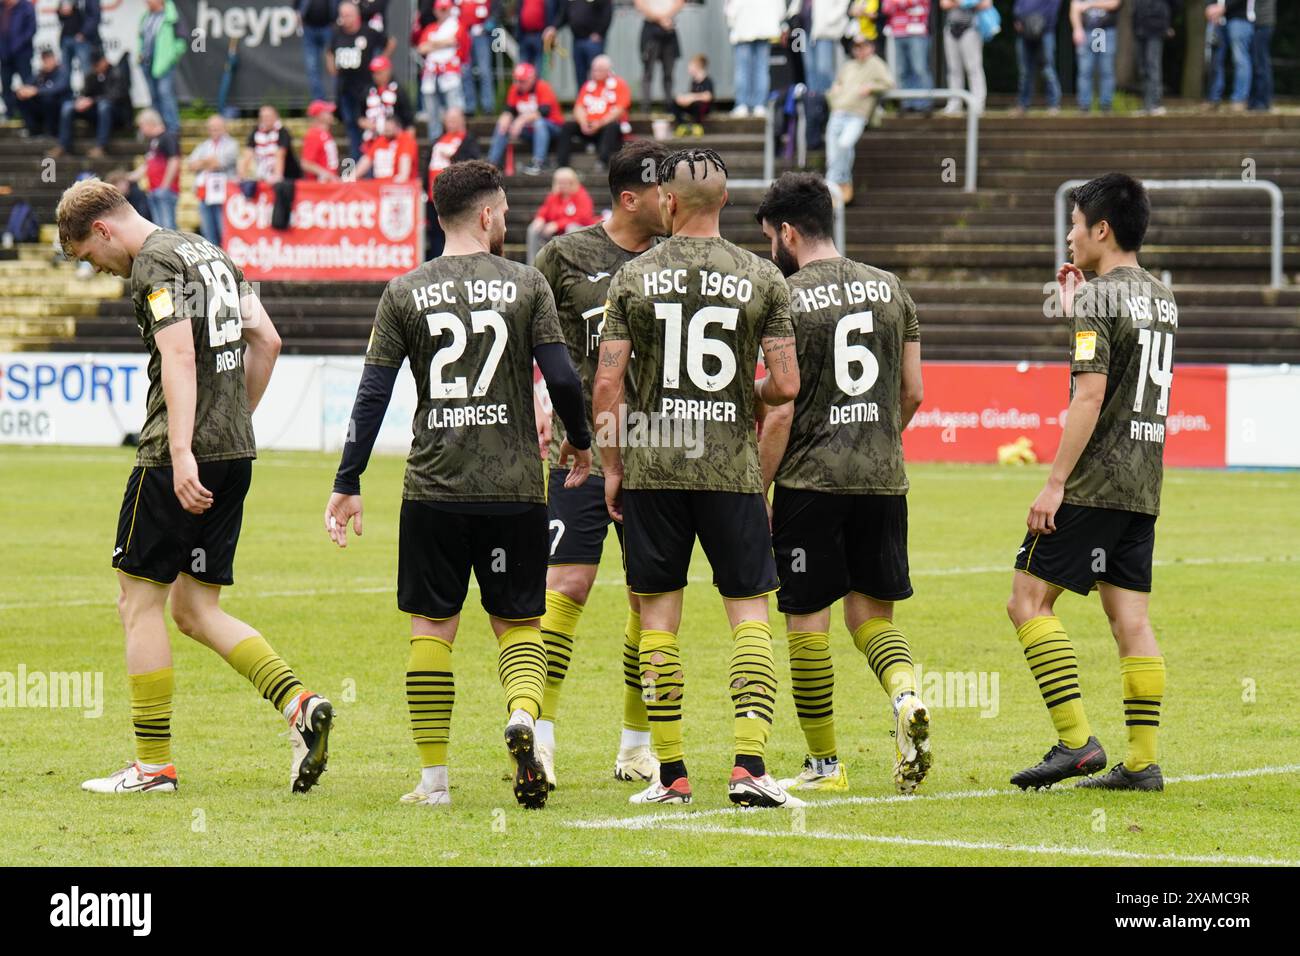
[{"x": 1224, "y": 607}]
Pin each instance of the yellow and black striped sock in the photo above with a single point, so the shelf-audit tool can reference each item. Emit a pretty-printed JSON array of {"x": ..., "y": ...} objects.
[
  {"x": 430, "y": 694},
  {"x": 1052, "y": 661},
  {"x": 521, "y": 665},
  {"x": 151, "y": 713},
  {"x": 254, "y": 659},
  {"x": 752, "y": 682},
  {"x": 664, "y": 683},
  {"x": 812, "y": 679},
  {"x": 634, "y": 714},
  {"x": 888, "y": 655},
  {"x": 1144, "y": 690},
  {"x": 559, "y": 625}
]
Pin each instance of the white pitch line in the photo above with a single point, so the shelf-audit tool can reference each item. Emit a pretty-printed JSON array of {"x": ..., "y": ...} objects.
[
  {"x": 617, "y": 582},
  {"x": 1038, "y": 849},
  {"x": 656, "y": 820}
]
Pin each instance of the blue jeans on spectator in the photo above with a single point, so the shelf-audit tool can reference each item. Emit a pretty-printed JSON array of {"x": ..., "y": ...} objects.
[
  {"x": 162, "y": 96},
  {"x": 19, "y": 65},
  {"x": 1097, "y": 56},
  {"x": 541, "y": 132},
  {"x": 1216, "y": 41},
  {"x": 315, "y": 41},
  {"x": 530, "y": 49},
  {"x": 1241, "y": 33},
  {"x": 438, "y": 102},
  {"x": 914, "y": 69},
  {"x": 819, "y": 65},
  {"x": 211, "y": 221},
  {"x": 1261, "y": 59},
  {"x": 162, "y": 208},
  {"x": 843, "y": 130},
  {"x": 753, "y": 79},
  {"x": 476, "y": 81},
  {"x": 584, "y": 51},
  {"x": 1151, "y": 52},
  {"x": 1027, "y": 57},
  {"x": 101, "y": 113},
  {"x": 73, "y": 49},
  {"x": 350, "y": 111}
]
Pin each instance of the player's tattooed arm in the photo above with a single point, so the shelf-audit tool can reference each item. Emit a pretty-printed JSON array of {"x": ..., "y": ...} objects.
[
  {"x": 607, "y": 400},
  {"x": 782, "y": 382}
]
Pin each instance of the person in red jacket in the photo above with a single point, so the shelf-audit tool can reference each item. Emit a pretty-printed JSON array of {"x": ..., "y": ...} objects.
[
  {"x": 567, "y": 207},
  {"x": 393, "y": 155},
  {"x": 599, "y": 114},
  {"x": 320, "y": 154},
  {"x": 532, "y": 111}
]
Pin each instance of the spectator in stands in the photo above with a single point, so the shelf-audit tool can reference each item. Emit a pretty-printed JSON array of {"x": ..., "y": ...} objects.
[
  {"x": 454, "y": 146},
  {"x": 532, "y": 112},
  {"x": 385, "y": 100},
  {"x": 78, "y": 32},
  {"x": 316, "y": 18},
  {"x": 374, "y": 14},
  {"x": 1035, "y": 25},
  {"x": 393, "y": 155},
  {"x": 1216, "y": 52},
  {"x": 862, "y": 20},
  {"x": 852, "y": 99},
  {"x": 1094, "y": 26},
  {"x": 1241, "y": 38},
  {"x": 105, "y": 101},
  {"x": 567, "y": 207},
  {"x": 320, "y": 154},
  {"x": 161, "y": 171},
  {"x": 963, "y": 51},
  {"x": 588, "y": 21},
  {"x": 599, "y": 112},
  {"x": 658, "y": 45},
  {"x": 528, "y": 26},
  {"x": 215, "y": 164},
  {"x": 692, "y": 107},
  {"x": 352, "y": 48},
  {"x": 476, "y": 20},
  {"x": 824, "y": 23},
  {"x": 754, "y": 25},
  {"x": 41, "y": 101},
  {"x": 1261, "y": 56},
  {"x": 440, "y": 81},
  {"x": 161, "y": 47},
  {"x": 1152, "y": 22},
  {"x": 121, "y": 180},
  {"x": 909, "y": 21},
  {"x": 17, "y": 35},
  {"x": 268, "y": 154}
]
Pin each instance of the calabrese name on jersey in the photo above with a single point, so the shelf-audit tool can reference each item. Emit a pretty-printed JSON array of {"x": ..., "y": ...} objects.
[
  {"x": 1146, "y": 431},
  {"x": 848, "y": 293},
  {"x": 463, "y": 415}
]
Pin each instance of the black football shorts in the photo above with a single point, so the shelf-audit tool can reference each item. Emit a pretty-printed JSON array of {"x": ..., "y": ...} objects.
[
  {"x": 1091, "y": 545},
  {"x": 579, "y": 520},
  {"x": 157, "y": 539},
  {"x": 830, "y": 544}
]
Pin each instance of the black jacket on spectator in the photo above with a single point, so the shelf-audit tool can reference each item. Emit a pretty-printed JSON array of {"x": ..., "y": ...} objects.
[
  {"x": 114, "y": 84},
  {"x": 1152, "y": 18},
  {"x": 318, "y": 13},
  {"x": 83, "y": 19},
  {"x": 585, "y": 17}
]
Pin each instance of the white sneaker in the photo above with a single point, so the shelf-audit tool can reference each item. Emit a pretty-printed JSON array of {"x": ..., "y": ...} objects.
[
  {"x": 436, "y": 798},
  {"x": 679, "y": 792},
  {"x": 912, "y": 756},
  {"x": 760, "y": 112},
  {"x": 134, "y": 779},
  {"x": 531, "y": 786},
  {"x": 740, "y": 112},
  {"x": 746, "y": 790},
  {"x": 636, "y": 763},
  {"x": 309, "y": 733},
  {"x": 546, "y": 757}
]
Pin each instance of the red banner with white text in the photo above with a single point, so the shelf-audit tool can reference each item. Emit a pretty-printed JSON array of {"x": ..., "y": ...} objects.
[
  {"x": 971, "y": 410},
  {"x": 367, "y": 229}
]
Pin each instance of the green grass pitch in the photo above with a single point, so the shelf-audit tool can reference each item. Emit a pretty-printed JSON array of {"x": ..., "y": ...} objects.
[{"x": 1224, "y": 607}]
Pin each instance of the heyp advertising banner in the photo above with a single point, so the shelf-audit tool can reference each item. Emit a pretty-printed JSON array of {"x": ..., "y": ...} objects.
[
  {"x": 972, "y": 409},
  {"x": 337, "y": 231}
]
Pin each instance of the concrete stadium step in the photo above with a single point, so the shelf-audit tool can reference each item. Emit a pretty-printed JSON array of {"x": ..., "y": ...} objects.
[{"x": 17, "y": 327}]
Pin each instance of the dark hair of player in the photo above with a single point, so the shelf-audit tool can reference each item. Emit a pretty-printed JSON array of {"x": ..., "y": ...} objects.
[
  {"x": 635, "y": 166},
  {"x": 462, "y": 186},
  {"x": 1120, "y": 200},
  {"x": 802, "y": 200},
  {"x": 704, "y": 158}
]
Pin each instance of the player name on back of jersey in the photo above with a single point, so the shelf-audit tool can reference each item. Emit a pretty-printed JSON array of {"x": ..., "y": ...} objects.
[
  {"x": 472, "y": 292},
  {"x": 1148, "y": 314},
  {"x": 856, "y": 367}
]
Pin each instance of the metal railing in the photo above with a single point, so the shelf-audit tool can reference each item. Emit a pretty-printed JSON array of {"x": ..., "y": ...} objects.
[
  {"x": 1259, "y": 185},
  {"x": 972, "y": 124}
]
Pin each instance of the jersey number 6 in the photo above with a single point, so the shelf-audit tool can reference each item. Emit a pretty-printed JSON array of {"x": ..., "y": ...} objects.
[{"x": 847, "y": 355}]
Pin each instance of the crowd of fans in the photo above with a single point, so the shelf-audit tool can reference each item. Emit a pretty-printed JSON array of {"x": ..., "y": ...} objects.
[{"x": 348, "y": 48}]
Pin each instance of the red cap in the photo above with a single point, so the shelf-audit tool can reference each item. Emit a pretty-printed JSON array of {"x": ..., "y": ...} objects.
[
  {"x": 318, "y": 107},
  {"x": 380, "y": 62},
  {"x": 443, "y": 4},
  {"x": 525, "y": 72}
]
